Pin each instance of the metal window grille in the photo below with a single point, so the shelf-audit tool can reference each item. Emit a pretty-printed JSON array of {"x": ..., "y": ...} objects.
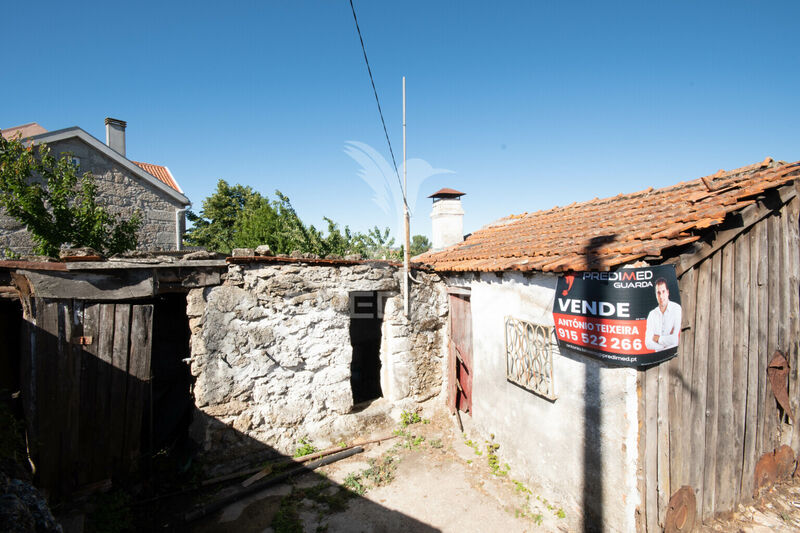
[{"x": 529, "y": 356}]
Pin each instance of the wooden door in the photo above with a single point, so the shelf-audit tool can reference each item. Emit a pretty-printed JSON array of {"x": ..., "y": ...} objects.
[
  {"x": 460, "y": 365},
  {"x": 86, "y": 381}
]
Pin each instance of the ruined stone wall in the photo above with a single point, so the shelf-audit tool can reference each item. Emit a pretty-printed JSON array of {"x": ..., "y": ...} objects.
[
  {"x": 271, "y": 354},
  {"x": 119, "y": 190}
]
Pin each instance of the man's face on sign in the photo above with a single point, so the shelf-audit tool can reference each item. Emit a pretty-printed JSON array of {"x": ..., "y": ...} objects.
[{"x": 662, "y": 295}]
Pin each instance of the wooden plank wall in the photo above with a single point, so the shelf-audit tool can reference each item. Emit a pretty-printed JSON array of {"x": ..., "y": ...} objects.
[
  {"x": 739, "y": 306},
  {"x": 84, "y": 402}
]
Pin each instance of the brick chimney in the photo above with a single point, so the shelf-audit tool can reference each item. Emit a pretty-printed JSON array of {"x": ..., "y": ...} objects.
[
  {"x": 115, "y": 135},
  {"x": 447, "y": 218}
]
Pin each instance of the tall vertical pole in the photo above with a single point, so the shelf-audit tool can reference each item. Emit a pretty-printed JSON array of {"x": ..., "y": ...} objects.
[{"x": 406, "y": 248}]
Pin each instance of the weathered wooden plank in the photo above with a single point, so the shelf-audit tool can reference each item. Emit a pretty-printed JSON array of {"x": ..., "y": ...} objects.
[
  {"x": 725, "y": 424},
  {"x": 751, "y": 448},
  {"x": 741, "y": 326},
  {"x": 47, "y": 397},
  {"x": 120, "y": 285},
  {"x": 763, "y": 335},
  {"x": 28, "y": 375},
  {"x": 700, "y": 383},
  {"x": 641, "y": 471},
  {"x": 663, "y": 442},
  {"x": 712, "y": 392},
  {"x": 88, "y": 425},
  {"x": 651, "y": 447},
  {"x": 749, "y": 216},
  {"x": 102, "y": 462},
  {"x": 119, "y": 385},
  {"x": 138, "y": 377},
  {"x": 70, "y": 318},
  {"x": 793, "y": 237},
  {"x": 773, "y": 333},
  {"x": 680, "y": 448},
  {"x": 786, "y": 299}
]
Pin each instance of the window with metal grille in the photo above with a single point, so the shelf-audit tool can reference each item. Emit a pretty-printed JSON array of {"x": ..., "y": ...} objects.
[{"x": 529, "y": 356}]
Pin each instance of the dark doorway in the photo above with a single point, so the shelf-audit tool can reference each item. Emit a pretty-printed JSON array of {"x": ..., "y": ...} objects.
[
  {"x": 172, "y": 402},
  {"x": 366, "y": 317},
  {"x": 10, "y": 324}
]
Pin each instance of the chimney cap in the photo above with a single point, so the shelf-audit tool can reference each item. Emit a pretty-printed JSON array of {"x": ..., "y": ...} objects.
[
  {"x": 447, "y": 193},
  {"x": 115, "y": 121}
]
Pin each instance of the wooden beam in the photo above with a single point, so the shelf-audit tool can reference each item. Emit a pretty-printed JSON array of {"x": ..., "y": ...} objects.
[
  {"x": 124, "y": 285},
  {"x": 772, "y": 201}
]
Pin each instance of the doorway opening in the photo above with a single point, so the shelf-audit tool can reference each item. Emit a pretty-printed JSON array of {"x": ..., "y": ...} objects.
[
  {"x": 10, "y": 324},
  {"x": 366, "y": 317},
  {"x": 172, "y": 401}
]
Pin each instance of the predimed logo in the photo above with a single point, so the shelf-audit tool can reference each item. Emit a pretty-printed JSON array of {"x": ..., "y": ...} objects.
[{"x": 635, "y": 279}]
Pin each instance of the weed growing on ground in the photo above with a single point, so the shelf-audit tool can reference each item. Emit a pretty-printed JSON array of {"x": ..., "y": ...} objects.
[
  {"x": 408, "y": 418},
  {"x": 474, "y": 446},
  {"x": 381, "y": 471},
  {"x": 353, "y": 482},
  {"x": 560, "y": 513},
  {"x": 538, "y": 518},
  {"x": 494, "y": 461},
  {"x": 304, "y": 448},
  {"x": 520, "y": 487},
  {"x": 436, "y": 443},
  {"x": 287, "y": 519}
]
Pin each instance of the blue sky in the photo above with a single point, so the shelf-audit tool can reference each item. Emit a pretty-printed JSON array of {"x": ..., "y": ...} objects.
[{"x": 529, "y": 104}]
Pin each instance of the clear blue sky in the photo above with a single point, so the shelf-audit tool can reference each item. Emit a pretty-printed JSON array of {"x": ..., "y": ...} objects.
[{"x": 529, "y": 104}]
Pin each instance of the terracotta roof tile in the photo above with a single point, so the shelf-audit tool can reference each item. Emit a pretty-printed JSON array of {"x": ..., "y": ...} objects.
[
  {"x": 603, "y": 233},
  {"x": 161, "y": 173}
]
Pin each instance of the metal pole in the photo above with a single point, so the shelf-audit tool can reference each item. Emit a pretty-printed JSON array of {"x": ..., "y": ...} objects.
[{"x": 407, "y": 251}]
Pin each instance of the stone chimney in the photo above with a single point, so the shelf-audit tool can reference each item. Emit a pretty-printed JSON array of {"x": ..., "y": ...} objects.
[
  {"x": 115, "y": 134},
  {"x": 447, "y": 218}
]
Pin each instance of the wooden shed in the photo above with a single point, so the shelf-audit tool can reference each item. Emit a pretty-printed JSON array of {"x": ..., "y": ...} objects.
[
  {"x": 704, "y": 418},
  {"x": 98, "y": 352}
]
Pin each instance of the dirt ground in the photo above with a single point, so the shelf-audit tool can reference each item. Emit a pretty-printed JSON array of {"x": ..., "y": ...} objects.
[{"x": 432, "y": 478}]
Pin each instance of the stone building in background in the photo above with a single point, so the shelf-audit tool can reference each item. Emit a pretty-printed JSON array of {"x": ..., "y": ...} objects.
[{"x": 124, "y": 186}]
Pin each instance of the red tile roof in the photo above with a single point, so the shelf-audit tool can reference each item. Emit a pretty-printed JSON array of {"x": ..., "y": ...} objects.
[
  {"x": 24, "y": 131},
  {"x": 601, "y": 234},
  {"x": 159, "y": 172}
]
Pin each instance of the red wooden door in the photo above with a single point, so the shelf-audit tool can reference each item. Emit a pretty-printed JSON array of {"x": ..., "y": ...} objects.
[{"x": 460, "y": 396}]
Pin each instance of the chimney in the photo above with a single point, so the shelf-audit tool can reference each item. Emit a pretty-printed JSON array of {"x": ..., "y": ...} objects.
[
  {"x": 115, "y": 134},
  {"x": 447, "y": 218}
]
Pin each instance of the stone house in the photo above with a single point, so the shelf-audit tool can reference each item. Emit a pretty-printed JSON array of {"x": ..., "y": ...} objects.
[
  {"x": 124, "y": 186},
  {"x": 615, "y": 444}
]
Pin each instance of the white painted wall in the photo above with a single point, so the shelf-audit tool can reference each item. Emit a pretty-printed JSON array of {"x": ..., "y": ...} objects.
[{"x": 544, "y": 441}]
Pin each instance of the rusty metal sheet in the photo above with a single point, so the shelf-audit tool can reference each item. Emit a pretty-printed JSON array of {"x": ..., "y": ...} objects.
[
  {"x": 766, "y": 473},
  {"x": 778, "y": 373},
  {"x": 681, "y": 511}
]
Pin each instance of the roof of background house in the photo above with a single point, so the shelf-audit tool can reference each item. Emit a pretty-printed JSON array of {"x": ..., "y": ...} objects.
[
  {"x": 26, "y": 130},
  {"x": 603, "y": 233},
  {"x": 161, "y": 173}
]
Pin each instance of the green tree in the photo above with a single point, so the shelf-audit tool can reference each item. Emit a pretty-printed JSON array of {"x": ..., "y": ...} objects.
[
  {"x": 58, "y": 206},
  {"x": 239, "y": 217},
  {"x": 419, "y": 244}
]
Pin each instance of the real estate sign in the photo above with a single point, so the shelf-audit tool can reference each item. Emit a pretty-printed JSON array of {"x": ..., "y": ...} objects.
[{"x": 630, "y": 317}]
